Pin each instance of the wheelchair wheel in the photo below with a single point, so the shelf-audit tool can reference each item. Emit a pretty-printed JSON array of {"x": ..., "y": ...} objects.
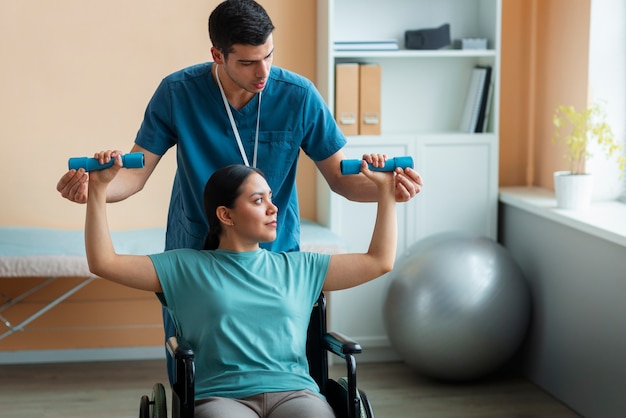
[
  {"x": 155, "y": 407},
  {"x": 337, "y": 396},
  {"x": 366, "y": 406},
  {"x": 158, "y": 401},
  {"x": 144, "y": 407}
]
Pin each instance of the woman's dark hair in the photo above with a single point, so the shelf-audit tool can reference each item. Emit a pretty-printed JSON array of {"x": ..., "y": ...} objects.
[
  {"x": 239, "y": 22},
  {"x": 222, "y": 189}
]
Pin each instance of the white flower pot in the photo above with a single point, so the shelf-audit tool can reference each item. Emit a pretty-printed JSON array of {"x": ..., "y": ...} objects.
[{"x": 573, "y": 191}]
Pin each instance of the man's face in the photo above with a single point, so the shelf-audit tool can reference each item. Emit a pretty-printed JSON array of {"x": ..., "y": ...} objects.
[{"x": 247, "y": 66}]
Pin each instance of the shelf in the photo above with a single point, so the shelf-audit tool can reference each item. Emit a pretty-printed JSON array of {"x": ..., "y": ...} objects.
[
  {"x": 447, "y": 136},
  {"x": 423, "y": 98},
  {"x": 411, "y": 53}
]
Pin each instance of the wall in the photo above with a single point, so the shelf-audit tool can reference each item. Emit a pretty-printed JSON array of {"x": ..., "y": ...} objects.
[
  {"x": 76, "y": 77},
  {"x": 545, "y": 50},
  {"x": 515, "y": 64},
  {"x": 576, "y": 341}
]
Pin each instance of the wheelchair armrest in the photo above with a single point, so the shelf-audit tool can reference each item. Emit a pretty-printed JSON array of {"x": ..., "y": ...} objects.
[
  {"x": 179, "y": 348},
  {"x": 346, "y": 348},
  {"x": 183, "y": 386},
  {"x": 341, "y": 345}
]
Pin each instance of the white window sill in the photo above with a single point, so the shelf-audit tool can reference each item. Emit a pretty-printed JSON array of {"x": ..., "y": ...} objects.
[{"x": 604, "y": 219}]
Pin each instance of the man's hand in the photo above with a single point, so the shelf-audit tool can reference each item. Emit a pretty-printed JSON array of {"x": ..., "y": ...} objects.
[
  {"x": 408, "y": 184},
  {"x": 73, "y": 185}
]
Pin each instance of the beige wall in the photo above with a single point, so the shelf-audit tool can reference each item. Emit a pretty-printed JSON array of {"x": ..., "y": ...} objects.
[
  {"x": 76, "y": 77},
  {"x": 514, "y": 109},
  {"x": 545, "y": 49},
  {"x": 562, "y": 76}
]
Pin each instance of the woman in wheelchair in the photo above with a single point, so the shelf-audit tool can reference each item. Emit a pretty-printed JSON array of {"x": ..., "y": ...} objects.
[{"x": 243, "y": 310}]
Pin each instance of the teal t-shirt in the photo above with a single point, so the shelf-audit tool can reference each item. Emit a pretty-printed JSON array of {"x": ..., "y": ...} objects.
[
  {"x": 187, "y": 112},
  {"x": 245, "y": 315}
]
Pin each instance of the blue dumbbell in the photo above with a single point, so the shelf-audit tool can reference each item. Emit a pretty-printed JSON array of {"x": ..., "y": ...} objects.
[
  {"x": 354, "y": 166},
  {"x": 130, "y": 160}
]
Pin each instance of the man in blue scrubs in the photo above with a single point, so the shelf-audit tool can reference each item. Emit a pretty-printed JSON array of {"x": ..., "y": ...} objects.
[{"x": 237, "y": 109}]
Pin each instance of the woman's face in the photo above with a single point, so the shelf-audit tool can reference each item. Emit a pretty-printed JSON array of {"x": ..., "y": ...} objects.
[{"x": 254, "y": 214}]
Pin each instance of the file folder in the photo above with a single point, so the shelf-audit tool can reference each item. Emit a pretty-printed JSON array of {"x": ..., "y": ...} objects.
[
  {"x": 473, "y": 101},
  {"x": 347, "y": 97},
  {"x": 369, "y": 99},
  {"x": 484, "y": 102}
]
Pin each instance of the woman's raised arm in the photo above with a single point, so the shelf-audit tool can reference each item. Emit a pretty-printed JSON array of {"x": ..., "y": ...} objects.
[
  {"x": 349, "y": 270},
  {"x": 136, "y": 271}
]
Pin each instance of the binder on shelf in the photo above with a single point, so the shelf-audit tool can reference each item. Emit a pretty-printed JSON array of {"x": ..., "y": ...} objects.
[
  {"x": 373, "y": 45},
  {"x": 473, "y": 117},
  {"x": 488, "y": 109},
  {"x": 347, "y": 97},
  {"x": 369, "y": 99},
  {"x": 484, "y": 101}
]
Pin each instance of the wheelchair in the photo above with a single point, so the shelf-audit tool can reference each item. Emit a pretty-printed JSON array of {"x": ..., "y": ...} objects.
[{"x": 342, "y": 394}]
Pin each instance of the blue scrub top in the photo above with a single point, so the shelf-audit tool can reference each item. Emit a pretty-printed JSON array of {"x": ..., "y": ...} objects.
[{"x": 187, "y": 111}]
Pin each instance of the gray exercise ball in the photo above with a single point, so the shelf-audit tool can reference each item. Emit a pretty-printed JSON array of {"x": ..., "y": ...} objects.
[{"x": 457, "y": 307}]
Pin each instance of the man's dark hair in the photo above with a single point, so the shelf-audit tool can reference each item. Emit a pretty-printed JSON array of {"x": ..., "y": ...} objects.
[{"x": 242, "y": 22}]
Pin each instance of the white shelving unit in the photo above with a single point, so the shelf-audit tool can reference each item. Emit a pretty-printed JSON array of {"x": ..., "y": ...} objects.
[{"x": 423, "y": 96}]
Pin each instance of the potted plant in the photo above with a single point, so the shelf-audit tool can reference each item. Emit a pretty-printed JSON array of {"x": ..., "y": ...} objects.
[{"x": 578, "y": 130}]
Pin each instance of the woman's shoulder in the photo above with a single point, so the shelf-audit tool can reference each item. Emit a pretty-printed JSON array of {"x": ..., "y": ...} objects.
[
  {"x": 176, "y": 253},
  {"x": 297, "y": 256}
]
